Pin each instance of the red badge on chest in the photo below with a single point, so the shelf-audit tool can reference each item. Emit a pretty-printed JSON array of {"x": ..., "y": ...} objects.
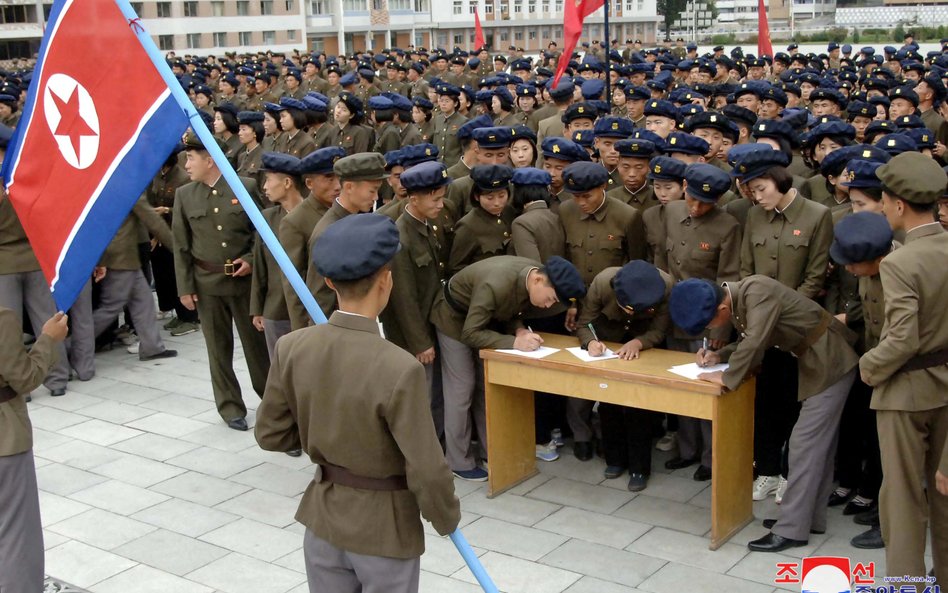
[
  {"x": 611, "y": 237},
  {"x": 234, "y": 201},
  {"x": 704, "y": 246},
  {"x": 796, "y": 232}
]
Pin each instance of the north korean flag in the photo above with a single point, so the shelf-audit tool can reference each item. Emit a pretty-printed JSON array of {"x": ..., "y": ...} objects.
[{"x": 97, "y": 124}]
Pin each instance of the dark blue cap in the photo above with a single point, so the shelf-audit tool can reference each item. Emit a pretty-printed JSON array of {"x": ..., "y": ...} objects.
[
  {"x": 636, "y": 148},
  {"x": 741, "y": 114},
  {"x": 295, "y": 74},
  {"x": 666, "y": 168},
  {"x": 708, "y": 119},
  {"x": 378, "y": 102},
  {"x": 834, "y": 162},
  {"x": 485, "y": 96},
  {"x": 278, "y": 162},
  {"x": 348, "y": 79},
  {"x": 613, "y": 127},
  {"x": 291, "y": 103},
  {"x": 828, "y": 95},
  {"x": 273, "y": 107},
  {"x": 896, "y": 144},
  {"x": 861, "y": 174},
  {"x": 394, "y": 158},
  {"x": 418, "y": 153},
  {"x": 314, "y": 104},
  {"x": 584, "y": 176},
  {"x": 593, "y": 88},
  {"x": 565, "y": 279},
  {"x": 563, "y": 90},
  {"x": 706, "y": 183},
  {"x": 422, "y": 103},
  {"x": 904, "y": 92},
  {"x": 398, "y": 101},
  {"x": 861, "y": 237},
  {"x": 637, "y": 93},
  {"x": 923, "y": 137},
  {"x": 246, "y": 117},
  {"x": 754, "y": 163},
  {"x": 774, "y": 128},
  {"x": 882, "y": 126},
  {"x": 679, "y": 142},
  {"x": 320, "y": 162},
  {"x": 356, "y": 246},
  {"x": 425, "y": 176},
  {"x": 503, "y": 94},
  {"x": 227, "y": 107},
  {"x": 776, "y": 94},
  {"x": 693, "y": 304},
  {"x": 662, "y": 108},
  {"x": 466, "y": 130},
  {"x": 556, "y": 147},
  {"x": 526, "y": 90},
  {"x": 832, "y": 128},
  {"x": 584, "y": 138},
  {"x": 909, "y": 122},
  {"x": 638, "y": 286},
  {"x": 367, "y": 73},
  {"x": 579, "y": 111},
  {"x": 520, "y": 132},
  {"x": 493, "y": 137},
  {"x": 448, "y": 89},
  {"x": 491, "y": 177},
  {"x": 531, "y": 176}
]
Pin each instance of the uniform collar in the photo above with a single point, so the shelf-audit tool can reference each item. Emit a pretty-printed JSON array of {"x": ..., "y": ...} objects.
[
  {"x": 537, "y": 205},
  {"x": 791, "y": 211},
  {"x": 732, "y": 289},
  {"x": 354, "y": 321},
  {"x": 600, "y": 213},
  {"x": 925, "y": 230}
]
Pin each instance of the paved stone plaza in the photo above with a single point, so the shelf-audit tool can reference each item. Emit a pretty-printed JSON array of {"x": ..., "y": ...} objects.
[{"x": 144, "y": 489}]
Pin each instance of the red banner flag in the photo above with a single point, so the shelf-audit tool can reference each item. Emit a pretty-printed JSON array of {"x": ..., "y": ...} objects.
[
  {"x": 764, "y": 48},
  {"x": 478, "y": 31},
  {"x": 575, "y": 13}
]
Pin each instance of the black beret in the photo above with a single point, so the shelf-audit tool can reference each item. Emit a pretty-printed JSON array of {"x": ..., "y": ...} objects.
[
  {"x": 638, "y": 286},
  {"x": 356, "y": 246},
  {"x": 584, "y": 176},
  {"x": 693, "y": 304},
  {"x": 565, "y": 279},
  {"x": 861, "y": 237}
]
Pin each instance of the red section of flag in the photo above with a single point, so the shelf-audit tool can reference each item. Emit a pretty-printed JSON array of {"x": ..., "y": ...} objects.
[
  {"x": 575, "y": 12},
  {"x": 764, "y": 48},
  {"x": 478, "y": 31}
]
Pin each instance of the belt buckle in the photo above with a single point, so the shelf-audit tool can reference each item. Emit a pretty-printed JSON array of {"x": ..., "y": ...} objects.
[{"x": 229, "y": 269}]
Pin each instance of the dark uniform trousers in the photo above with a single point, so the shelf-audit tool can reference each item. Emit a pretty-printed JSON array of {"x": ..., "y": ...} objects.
[
  {"x": 29, "y": 291},
  {"x": 81, "y": 342},
  {"x": 166, "y": 287},
  {"x": 129, "y": 287}
]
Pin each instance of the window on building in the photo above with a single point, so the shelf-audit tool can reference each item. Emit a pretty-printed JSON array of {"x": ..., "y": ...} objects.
[
  {"x": 269, "y": 37},
  {"x": 546, "y": 6},
  {"x": 291, "y": 34},
  {"x": 629, "y": 4},
  {"x": 489, "y": 8},
  {"x": 220, "y": 39},
  {"x": 194, "y": 40},
  {"x": 442, "y": 39},
  {"x": 504, "y": 7},
  {"x": 354, "y": 5},
  {"x": 289, "y": 5},
  {"x": 640, "y": 6},
  {"x": 518, "y": 35},
  {"x": 419, "y": 39},
  {"x": 138, "y": 7},
  {"x": 421, "y": 6},
  {"x": 245, "y": 38},
  {"x": 532, "y": 34},
  {"x": 377, "y": 5},
  {"x": 191, "y": 8},
  {"x": 243, "y": 7},
  {"x": 531, "y": 6},
  {"x": 458, "y": 6},
  {"x": 166, "y": 42},
  {"x": 458, "y": 39},
  {"x": 472, "y": 8},
  {"x": 317, "y": 45},
  {"x": 217, "y": 8},
  {"x": 403, "y": 5},
  {"x": 559, "y": 6},
  {"x": 266, "y": 6},
  {"x": 164, "y": 9},
  {"x": 504, "y": 36},
  {"x": 318, "y": 7}
]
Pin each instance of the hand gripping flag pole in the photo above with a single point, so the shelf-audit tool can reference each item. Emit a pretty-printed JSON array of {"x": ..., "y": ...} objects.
[
  {"x": 279, "y": 254},
  {"x": 227, "y": 170}
]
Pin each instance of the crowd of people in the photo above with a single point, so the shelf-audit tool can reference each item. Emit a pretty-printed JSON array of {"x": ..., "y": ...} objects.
[{"x": 783, "y": 213}]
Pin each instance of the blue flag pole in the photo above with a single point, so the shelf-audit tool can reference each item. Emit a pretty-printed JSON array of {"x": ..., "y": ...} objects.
[
  {"x": 227, "y": 170},
  {"x": 473, "y": 562}
]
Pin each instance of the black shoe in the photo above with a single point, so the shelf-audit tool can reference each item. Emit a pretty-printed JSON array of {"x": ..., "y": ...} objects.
[
  {"x": 869, "y": 540},
  {"x": 869, "y": 518},
  {"x": 238, "y": 424},
  {"x": 613, "y": 471},
  {"x": 836, "y": 500},
  {"x": 702, "y": 474},
  {"x": 637, "y": 482},
  {"x": 854, "y": 508},
  {"x": 58, "y": 392},
  {"x": 769, "y": 523},
  {"x": 583, "y": 450},
  {"x": 775, "y": 543},
  {"x": 295, "y": 452},
  {"x": 678, "y": 463},
  {"x": 163, "y": 354}
]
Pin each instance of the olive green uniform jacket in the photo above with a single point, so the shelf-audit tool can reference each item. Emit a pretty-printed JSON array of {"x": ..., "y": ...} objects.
[
  {"x": 613, "y": 323},
  {"x": 611, "y": 236},
  {"x": 266, "y": 292},
  {"x": 295, "y": 231}
]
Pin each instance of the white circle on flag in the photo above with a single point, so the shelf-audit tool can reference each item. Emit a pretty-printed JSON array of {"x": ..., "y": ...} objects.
[{"x": 72, "y": 119}]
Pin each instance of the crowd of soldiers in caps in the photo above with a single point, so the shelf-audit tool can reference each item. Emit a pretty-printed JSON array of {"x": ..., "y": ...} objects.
[{"x": 698, "y": 166}]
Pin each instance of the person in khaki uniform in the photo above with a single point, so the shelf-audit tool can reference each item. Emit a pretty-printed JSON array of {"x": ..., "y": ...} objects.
[
  {"x": 348, "y": 131},
  {"x": 294, "y": 140},
  {"x": 371, "y": 434},
  {"x": 446, "y": 123},
  {"x": 634, "y": 188},
  {"x": 250, "y": 132},
  {"x": 485, "y": 230},
  {"x": 388, "y": 137},
  {"x": 908, "y": 371},
  {"x": 769, "y": 314},
  {"x": 536, "y": 233},
  {"x": 668, "y": 177},
  {"x": 22, "y": 371},
  {"x": 213, "y": 244}
]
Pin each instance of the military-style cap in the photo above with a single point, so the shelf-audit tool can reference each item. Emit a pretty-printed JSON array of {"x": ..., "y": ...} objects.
[
  {"x": 425, "y": 176},
  {"x": 504, "y": 95},
  {"x": 913, "y": 177},
  {"x": 314, "y": 104},
  {"x": 829, "y": 95},
  {"x": 774, "y": 128},
  {"x": 248, "y": 117},
  {"x": 752, "y": 87},
  {"x": 613, "y": 127},
  {"x": 584, "y": 138},
  {"x": 278, "y": 162},
  {"x": 861, "y": 174},
  {"x": 860, "y": 109},
  {"x": 666, "y": 168},
  {"x": 193, "y": 142},
  {"x": 291, "y": 103},
  {"x": 394, "y": 158},
  {"x": 693, "y": 304},
  {"x": 679, "y": 142},
  {"x": 492, "y": 137},
  {"x": 348, "y": 79},
  {"x": 579, "y": 111},
  {"x": 706, "y": 183},
  {"x": 526, "y": 90},
  {"x": 556, "y": 147},
  {"x": 739, "y": 114},
  {"x": 906, "y": 93},
  {"x": 380, "y": 103},
  {"x": 491, "y": 177},
  {"x": 708, "y": 119},
  {"x": 923, "y": 137},
  {"x": 466, "y": 130},
  {"x": 662, "y": 108},
  {"x": 227, "y": 107},
  {"x": 636, "y": 148},
  {"x": 363, "y": 166},
  {"x": 6, "y": 134},
  {"x": 418, "y": 153},
  {"x": 909, "y": 122},
  {"x": 445, "y": 89},
  {"x": 639, "y": 286},
  {"x": 896, "y": 144},
  {"x": 592, "y": 88},
  {"x": 352, "y": 102},
  {"x": 530, "y": 176},
  {"x": 752, "y": 163},
  {"x": 831, "y": 128},
  {"x": 521, "y": 132},
  {"x": 356, "y": 246},
  {"x": 861, "y": 237},
  {"x": 200, "y": 89},
  {"x": 561, "y": 91},
  {"x": 320, "y": 162},
  {"x": 565, "y": 279},
  {"x": 688, "y": 111},
  {"x": 422, "y": 103},
  {"x": 584, "y": 176}
]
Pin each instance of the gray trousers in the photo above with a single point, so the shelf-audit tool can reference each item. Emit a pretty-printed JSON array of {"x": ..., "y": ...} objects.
[
  {"x": 81, "y": 344},
  {"x": 579, "y": 418},
  {"x": 30, "y": 290},
  {"x": 273, "y": 330},
  {"x": 21, "y": 532},
  {"x": 812, "y": 454},
  {"x": 694, "y": 434},
  {"x": 332, "y": 570},
  {"x": 129, "y": 287},
  {"x": 462, "y": 377}
]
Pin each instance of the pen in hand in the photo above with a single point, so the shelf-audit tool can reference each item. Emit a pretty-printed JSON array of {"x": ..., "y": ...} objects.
[
  {"x": 596, "y": 338},
  {"x": 704, "y": 349}
]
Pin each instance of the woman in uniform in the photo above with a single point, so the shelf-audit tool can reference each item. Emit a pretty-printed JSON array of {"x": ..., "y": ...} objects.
[
  {"x": 271, "y": 127},
  {"x": 485, "y": 230},
  {"x": 421, "y": 115},
  {"x": 294, "y": 141},
  {"x": 225, "y": 128},
  {"x": 250, "y": 133},
  {"x": 350, "y": 133},
  {"x": 523, "y": 149}
]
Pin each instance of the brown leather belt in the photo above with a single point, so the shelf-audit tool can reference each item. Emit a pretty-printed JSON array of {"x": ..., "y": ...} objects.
[
  {"x": 813, "y": 336},
  {"x": 227, "y": 269},
  {"x": 340, "y": 475},
  {"x": 7, "y": 393},
  {"x": 925, "y": 361},
  {"x": 449, "y": 298}
]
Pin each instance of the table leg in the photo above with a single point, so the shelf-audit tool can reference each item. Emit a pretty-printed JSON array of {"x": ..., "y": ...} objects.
[
  {"x": 732, "y": 464},
  {"x": 511, "y": 438}
]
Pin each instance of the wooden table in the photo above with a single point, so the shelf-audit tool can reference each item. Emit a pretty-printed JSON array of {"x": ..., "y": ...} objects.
[{"x": 645, "y": 383}]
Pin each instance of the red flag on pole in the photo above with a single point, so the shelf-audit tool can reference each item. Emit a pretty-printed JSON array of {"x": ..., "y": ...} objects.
[
  {"x": 478, "y": 31},
  {"x": 764, "y": 48},
  {"x": 575, "y": 13}
]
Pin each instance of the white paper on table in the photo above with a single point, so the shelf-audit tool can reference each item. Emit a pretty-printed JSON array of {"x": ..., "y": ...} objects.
[
  {"x": 541, "y": 352},
  {"x": 691, "y": 371},
  {"x": 585, "y": 356}
]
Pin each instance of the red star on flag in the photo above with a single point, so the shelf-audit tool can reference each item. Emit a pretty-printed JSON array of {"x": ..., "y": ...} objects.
[{"x": 71, "y": 124}]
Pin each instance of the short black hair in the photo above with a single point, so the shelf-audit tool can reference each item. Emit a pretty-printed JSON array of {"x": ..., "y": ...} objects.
[
  {"x": 525, "y": 194},
  {"x": 257, "y": 127},
  {"x": 299, "y": 118},
  {"x": 780, "y": 176},
  {"x": 914, "y": 207}
]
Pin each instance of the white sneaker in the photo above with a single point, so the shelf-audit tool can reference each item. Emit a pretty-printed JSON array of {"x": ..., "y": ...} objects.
[
  {"x": 547, "y": 452},
  {"x": 667, "y": 442},
  {"x": 162, "y": 315},
  {"x": 764, "y": 486},
  {"x": 133, "y": 348},
  {"x": 781, "y": 490}
]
